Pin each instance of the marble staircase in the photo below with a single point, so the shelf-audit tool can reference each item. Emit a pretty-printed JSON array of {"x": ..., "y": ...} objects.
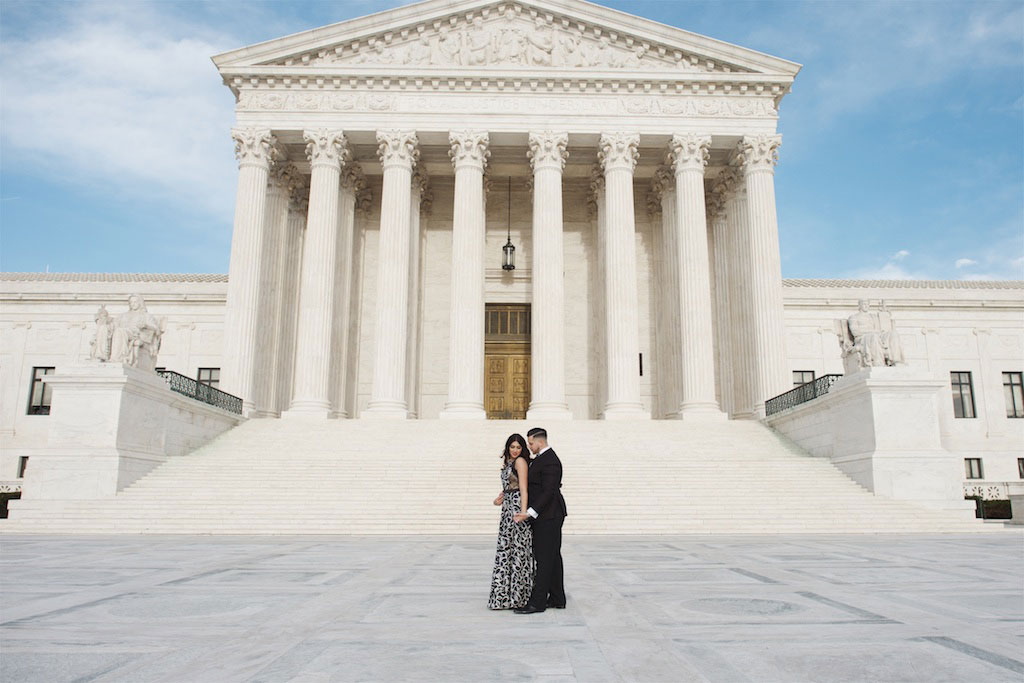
[{"x": 298, "y": 476}]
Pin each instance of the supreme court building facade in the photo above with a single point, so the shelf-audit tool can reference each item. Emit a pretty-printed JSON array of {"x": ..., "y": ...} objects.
[{"x": 385, "y": 161}]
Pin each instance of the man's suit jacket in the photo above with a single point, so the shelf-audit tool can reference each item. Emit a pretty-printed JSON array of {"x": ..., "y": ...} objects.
[{"x": 544, "y": 484}]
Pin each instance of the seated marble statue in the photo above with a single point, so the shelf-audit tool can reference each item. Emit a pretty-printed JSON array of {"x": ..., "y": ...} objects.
[
  {"x": 868, "y": 339},
  {"x": 136, "y": 337}
]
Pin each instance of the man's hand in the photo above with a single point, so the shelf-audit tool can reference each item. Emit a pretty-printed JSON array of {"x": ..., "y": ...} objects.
[{"x": 521, "y": 517}]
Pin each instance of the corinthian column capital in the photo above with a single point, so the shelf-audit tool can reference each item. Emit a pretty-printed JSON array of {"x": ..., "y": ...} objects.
[
  {"x": 352, "y": 177},
  {"x": 759, "y": 152},
  {"x": 548, "y": 150},
  {"x": 689, "y": 152},
  {"x": 255, "y": 147},
  {"x": 618, "y": 151},
  {"x": 284, "y": 176},
  {"x": 469, "y": 148},
  {"x": 398, "y": 148},
  {"x": 326, "y": 147}
]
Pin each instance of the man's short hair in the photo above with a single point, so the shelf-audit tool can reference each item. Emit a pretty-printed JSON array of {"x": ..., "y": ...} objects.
[{"x": 538, "y": 432}]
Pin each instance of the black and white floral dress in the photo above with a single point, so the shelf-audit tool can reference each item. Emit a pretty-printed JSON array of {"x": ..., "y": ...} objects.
[{"x": 514, "y": 566}]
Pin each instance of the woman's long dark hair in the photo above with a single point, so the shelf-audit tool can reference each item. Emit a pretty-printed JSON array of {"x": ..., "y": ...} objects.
[{"x": 506, "y": 457}]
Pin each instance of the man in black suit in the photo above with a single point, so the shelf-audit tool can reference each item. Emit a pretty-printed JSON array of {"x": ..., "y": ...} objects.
[{"x": 546, "y": 514}]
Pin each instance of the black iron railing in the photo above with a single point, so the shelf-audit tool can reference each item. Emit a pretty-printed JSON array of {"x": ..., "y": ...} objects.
[
  {"x": 801, "y": 394},
  {"x": 186, "y": 386}
]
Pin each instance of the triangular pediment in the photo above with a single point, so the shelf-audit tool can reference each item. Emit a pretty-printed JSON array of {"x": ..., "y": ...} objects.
[{"x": 485, "y": 35}]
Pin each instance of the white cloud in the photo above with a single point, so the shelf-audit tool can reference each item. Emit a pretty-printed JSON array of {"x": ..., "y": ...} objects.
[
  {"x": 965, "y": 262},
  {"x": 900, "y": 255},
  {"x": 124, "y": 99},
  {"x": 892, "y": 269}
]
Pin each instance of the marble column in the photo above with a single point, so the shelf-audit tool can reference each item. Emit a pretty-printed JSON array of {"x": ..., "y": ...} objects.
[
  {"x": 772, "y": 376},
  {"x": 720, "y": 280},
  {"x": 689, "y": 154},
  {"x": 662, "y": 207},
  {"x": 547, "y": 153},
  {"x": 271, "y": 288},
  {"x": 398, "y": 150},
  {"x": 739, "y": 286},
  {"x": 598, "y": 359},
  {"x": 351, "y": 184},
  {"x": 326, "y": 150},
  {"x": 298, "y": 208},
  {"x": 256, "y": 150},
  {"x": 419, "y": 204},
  {"x": 466, "y": 345},
  {"x": 618, "y": 154}
]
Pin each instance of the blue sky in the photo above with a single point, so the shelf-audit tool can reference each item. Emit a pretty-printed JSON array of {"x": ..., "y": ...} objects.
[{"x": 903, "y": 151}]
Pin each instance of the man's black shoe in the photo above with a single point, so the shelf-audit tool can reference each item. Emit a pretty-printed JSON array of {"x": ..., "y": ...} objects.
[
  {"x": 555, "y": 605},
  {"x": 529, "y": 609}
]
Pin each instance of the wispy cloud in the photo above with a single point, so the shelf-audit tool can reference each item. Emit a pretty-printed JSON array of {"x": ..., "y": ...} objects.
[
  {"x": 965, "y": 263},
  {"x": 894, "y": 268},
  {"x": 122, "y": 99}
]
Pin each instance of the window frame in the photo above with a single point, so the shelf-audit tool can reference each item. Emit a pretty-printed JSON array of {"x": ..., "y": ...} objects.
[
  {"x": 969, "y": 469},
  {"x": 1015, "y": 405},
  {"x": 208, "y": 382},
  {"x": 45, "y": 393},
  {"x": 803, "y": 373},
  {"x": 957, "y": 389}
]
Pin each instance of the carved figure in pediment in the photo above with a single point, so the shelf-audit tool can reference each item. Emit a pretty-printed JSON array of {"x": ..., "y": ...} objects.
[
  {"x": 418, "y": 51},
  {"x": 100, "y": 344},
  {"x": 377, "y": 55},
  {"x": 540, "y": 43},
  {"x": 634, "y": 58},
  {"x": 567, "y": 50},
  {"x": 604, "y": 54},
  {"x": 476, "y": 48},
  {"x": 447, "y": 48},
  {"x": 511, "y": 43}
]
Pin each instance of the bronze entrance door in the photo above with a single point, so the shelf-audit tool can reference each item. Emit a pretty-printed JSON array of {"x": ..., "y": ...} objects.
[{"x": 507, "y": 361}]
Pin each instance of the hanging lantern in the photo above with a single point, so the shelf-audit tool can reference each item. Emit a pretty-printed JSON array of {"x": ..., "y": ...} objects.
[{"x": 508, "y": 261}]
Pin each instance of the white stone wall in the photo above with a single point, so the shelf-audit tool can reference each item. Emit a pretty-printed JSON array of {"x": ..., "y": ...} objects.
[{"x": 944, "y": 327}]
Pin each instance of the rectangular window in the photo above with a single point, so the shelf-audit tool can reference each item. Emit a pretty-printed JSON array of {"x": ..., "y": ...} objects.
[
  {"x": 1013, "y": 391},
  {"x": 1020, "y": 467},
  {"x": 22, "y": 466},
  {"x": 963, "y": 394},
  {"x": 972, "y": 467},
  {"x": 39, "y": 397},
  {"x": 209, "y": 376},
  {"x": 801, "y": 377}
]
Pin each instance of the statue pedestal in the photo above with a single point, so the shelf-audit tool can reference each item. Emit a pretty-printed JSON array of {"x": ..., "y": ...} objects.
[
  {"x": 885, "y": 435},
  {"x": 109, "y": 425}
]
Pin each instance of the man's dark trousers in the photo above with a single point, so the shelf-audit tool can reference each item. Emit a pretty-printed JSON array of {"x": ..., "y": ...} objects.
[{"x": 547, "y": 550}]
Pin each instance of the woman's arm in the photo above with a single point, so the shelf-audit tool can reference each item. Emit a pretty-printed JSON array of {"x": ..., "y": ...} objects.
[{"x": 522, "y": 471}]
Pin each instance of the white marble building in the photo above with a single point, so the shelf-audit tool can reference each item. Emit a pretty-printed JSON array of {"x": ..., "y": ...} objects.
[{"x": 385, "y": 161}]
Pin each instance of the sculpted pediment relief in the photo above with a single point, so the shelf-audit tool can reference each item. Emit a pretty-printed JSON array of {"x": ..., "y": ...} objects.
[{"x": 511, "y": 36}]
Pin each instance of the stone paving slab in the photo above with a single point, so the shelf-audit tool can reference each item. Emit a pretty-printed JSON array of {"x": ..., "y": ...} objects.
[{"x": 761, "y": 609}]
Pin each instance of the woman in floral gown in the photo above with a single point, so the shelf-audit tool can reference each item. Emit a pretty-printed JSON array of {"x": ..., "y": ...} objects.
[{"x": 514, "y": 567}]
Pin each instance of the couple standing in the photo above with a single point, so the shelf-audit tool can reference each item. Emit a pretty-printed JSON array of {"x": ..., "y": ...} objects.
[{"x": 528, "y": 573}]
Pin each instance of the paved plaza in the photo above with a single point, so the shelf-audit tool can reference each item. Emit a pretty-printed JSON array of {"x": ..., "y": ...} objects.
[{"x": 311, "y": 609}]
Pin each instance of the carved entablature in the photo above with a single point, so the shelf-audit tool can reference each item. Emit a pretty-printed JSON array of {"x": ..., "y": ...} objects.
[{"x": 507, "y": 34}]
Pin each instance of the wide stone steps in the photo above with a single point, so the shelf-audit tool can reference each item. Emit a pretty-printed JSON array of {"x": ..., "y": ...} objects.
[{"x": 296, "y": 476}]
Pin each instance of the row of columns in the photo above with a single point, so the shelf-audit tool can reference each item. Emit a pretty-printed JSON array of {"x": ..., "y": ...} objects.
[{"x": 743, "y": 254}]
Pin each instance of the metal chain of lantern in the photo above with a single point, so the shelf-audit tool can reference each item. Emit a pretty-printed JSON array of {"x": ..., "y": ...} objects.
[{"x": 508, "y": 261}]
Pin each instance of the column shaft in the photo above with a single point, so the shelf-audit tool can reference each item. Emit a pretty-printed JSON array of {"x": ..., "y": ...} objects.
[
  {"x": 740, "y": 312},
  {"x": 311, "y": 395},
  {"x": 255, "y": 150},
  {"x": 342, "y": 291},
  {"x": 689, "y": 154},
  {"x": 398, "y": 156},
  {"x": 292, "y": 267},
  {"x": 618, "y": 155},
  {"x": 466, "y": 360},
  {"x": 412, "y": 373},
  {"x": 270, "y": 302},
  {"x": 768, "y": 329},
  {"x": 721, "y": 319},
  {"x": 547, "y": 153},
  {"x": 670, "y": 376}
]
